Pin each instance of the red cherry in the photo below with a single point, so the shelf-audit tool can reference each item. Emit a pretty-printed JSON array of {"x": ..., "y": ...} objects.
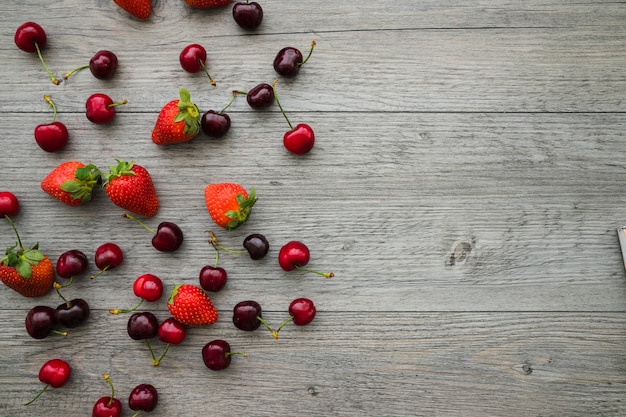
[
  {"x": 193, "y": 59},
  {"x": 248, "y": 15},
  {"x": 261, "y": 96},
  {"x": 167, "y": 238},
  {"x": 30, "y": 37},
  {"x": 216, "y": 355},
  {"x": 148, "y": 287},
  {"x": 214, "y": 124},
  {"x": 143, "y": 397},
  {"x": 9, "y": 204},
  {"x": 302, "y": 310},
  {"x": 52, "y": 136},
  {"x": 108, "y": 256},
  {"x": 71, "y": 263},
  {"x": 54, "y": 373},
  {"x": 289, "y": 60},
  {"x": 172, "y": 331},
  {"x": 107, "y": 406},
  {"x": 300, "y": 140},
  {"x": 101, "y": 108},
  {"x": 213, "y": 278},
  {"x": 296, "y": 254},
  {"x": 102, "y": 66}
]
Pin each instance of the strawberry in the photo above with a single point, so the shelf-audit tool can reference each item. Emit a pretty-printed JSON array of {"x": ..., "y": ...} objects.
[
  {"x": 190, "y": 305},
  {"x": 72, "y": 182},
  {"x": 141, "y": 9},
  {"x": 129, "y": 186},
  {"x": 178, "y": 121},
  {"x": 207, "y": 4},
  {"x": 229, "y": 204},
  {"x": 27, "y": 271}
]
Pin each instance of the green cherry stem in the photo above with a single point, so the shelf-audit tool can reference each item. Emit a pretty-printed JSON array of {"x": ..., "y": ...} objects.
[
  {"x": 19, "y": 241},
  {"x": 69, "y": 74},
  {"x": 309, "y": 55},
  {"x": 229, "y": 103},
  {"x": 217, "y": 245},
  {"x": 136, "y": 220},
  {"x": 154, "y": 359},
  {"x": 206, "y": 71},
  {"x": 119, "y": 103},
  {"x": 52, "y": 106},
  {"x": 278, "y": 103},
  {"x": 100, "y": 273},
  {"x": 54, "y": 80},
  {"x": 283, "y": 324},
  {"x": 58, "y": 287},
  {"x": 108, "y": 380},
  {"x": 324, "y": 274},
  {"x": 267, "y": 326},
  {"x": 39, "y": 393},
  {"x": 119, "y": 311},
  {"x": 157, "y": 361}
]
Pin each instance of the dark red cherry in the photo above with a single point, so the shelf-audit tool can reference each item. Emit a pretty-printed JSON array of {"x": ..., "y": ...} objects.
[
  {"x": 73, "y": 313},
  {"x": 108, "y": 256},
  {"x": 9, "y": 204},
  {"x": 216, "y": 355},
  {"x": 172, "y": 331},
  {"x": 193, "y": 59},
  {"x": 28, "y": 35},
  {"x": 261, "y": 96},
  {"x": 214, "y": 124},
  {"x": 292, "y": 255},
  {"x": 168, "y": 237},
  {"x": 103, "y": 65},
  {"x": 71, "y": 263},
  {"x": 143, "y": 397},
  {"x": 246, "y": 315},
  {"x": 302, "y": 310},
  {"x": 52, "y": 136},
  {"x": 213, "y": 278},
  {"x": 40, "y": 322},
  {"x": 257, "y": 246},
  {"x": 288, "y": 61},
  {"x": 248, "y": 15},
  {"x": 299, "y": 140},
  {"x": 107, "y": 406},
  {"x": 142, "y": 326},
  {"x": 100, "y": 108}
]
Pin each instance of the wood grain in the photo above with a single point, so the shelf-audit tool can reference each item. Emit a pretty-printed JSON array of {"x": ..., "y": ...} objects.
[{"x": 465, "y": 187}]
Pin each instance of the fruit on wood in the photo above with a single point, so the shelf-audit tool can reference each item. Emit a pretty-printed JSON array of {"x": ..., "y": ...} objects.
[
  {"x": 142, "y": 326},
  {"x": 54, "y": 373},
  {"x": 102, "y": 66},
  {"x": 144, "y": 397},
  {"x": 26, "y": 271},
  {"x": 248, "y": 14},
  {"x": 53, "y": 136},
  {"x": 177, "y": 122},
  {"x": 107, "y": 406},
  {"x": 40, "y": 322},
  {"x": 247, "y": 315},
  {"x": 72, "y": 182},
  {"x": 9, "y": 204},
  {"x": 148, "y": 287},
  {"x": 172, "y": 332},
  {"x": 213, "y": 278},
  {"x": 255, "y": 245},
  {"x": 298, "y": 140},
  {"x": 217, "y": 355},
  {"x": 288, "y": 60},
  {"x": 229, "y": 204},
  {"x": 72, "y": 313},
  {"x": 207, "y": 4},
  {"x": 108, "y": 256},
  {"x": 167, "y": 238},
  {"x": 193, "y": 59},
  {"x": 71, "y": 263},
  {"x": 301, "y": 312},
  {"x": 130, "y": 187},
  {"x": 141, "y": 9},
  {"x": 215, "y": 124},
  {"x": 101, "y": 109},
  {"x": 190, "y": 305},
  {"x": 260, "y": 97},
  {"x": 295, "y": 255},
  {"x": 31, "y": 37}
]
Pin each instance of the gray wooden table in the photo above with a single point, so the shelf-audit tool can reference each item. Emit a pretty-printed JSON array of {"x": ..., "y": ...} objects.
[{"x": 465, "y": 188}]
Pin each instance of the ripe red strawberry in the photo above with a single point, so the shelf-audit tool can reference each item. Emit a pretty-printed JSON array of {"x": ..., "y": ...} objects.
[
  {"x": 178, "y": 121},
  {"x": 141, "y": 9},
  {"x": 129, "y": 186},
  {"x": 27, "y": 271},
  {"x": 229, "y": 204},
  {"x": 72, "y": 182},
  {"x": 207, "y": 4},
  {"x": 190, "y": 305}
]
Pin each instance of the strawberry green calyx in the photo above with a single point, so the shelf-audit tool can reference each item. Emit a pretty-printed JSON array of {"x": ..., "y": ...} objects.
[
  {"x": 240, "y": 216},
  {"x": 85, "y": 179},
  {"x": 20, "y": 258},
  {"x": 122, "y": 168},
  {"x": 189, "y": 113}
]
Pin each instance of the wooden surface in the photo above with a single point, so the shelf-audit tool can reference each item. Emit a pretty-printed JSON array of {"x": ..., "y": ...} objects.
[{"x": 465, "y": 188}]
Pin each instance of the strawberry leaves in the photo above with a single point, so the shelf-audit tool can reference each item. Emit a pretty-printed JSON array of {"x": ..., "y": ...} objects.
[
  {"x": 19, "y": 258},
  {"x": 188, "y": 112},
  {"x": 240, "y": 216},
  {"x": 85, "y": 179}
]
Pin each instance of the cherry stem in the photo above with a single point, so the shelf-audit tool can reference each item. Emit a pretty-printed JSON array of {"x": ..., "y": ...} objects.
[
  {"x": 229, "y": 103},
  {"x": 38, "y": 395},
  {"x": 283, "y": 324},
  {"x": 278, "y": 103},
  {"x": 156, "y": 362},
  {"x": 128, "y": 216},
  {"x": 267, "y": 326},
  {"x": 19, "y": 241},
  {"x": 309, "y": 55},
  {"x": 119, "y": 103},
  {"x": 217, "y": 245},
  {"x": 58, "y": 287},
  {"x": 52, "y": 106},
  {"x": 154, "y": 359},
  {"x": 206, "y": 71},
  {"x": 324, "y": 274},
  {"x": 108, "y": 380},
  {"x": 136, "y": 413},
  {"x": 59, "y": 332},
  {"x": 118, "y": 311},
  {"x": 100, "y": 273},
  {"x": 69, "y": 74},
  {"x": 54, "y": 80},
  {"x": 244, "y": 354}
]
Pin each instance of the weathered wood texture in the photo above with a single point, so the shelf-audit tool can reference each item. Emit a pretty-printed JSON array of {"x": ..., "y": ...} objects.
[{"x": 465, "y": 188}]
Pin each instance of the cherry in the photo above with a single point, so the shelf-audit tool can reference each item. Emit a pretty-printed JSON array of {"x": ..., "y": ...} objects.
[
  {"x": 147, "y": 287},
  {"x": 247, "y": 315},
  {"x": 107, "y": 406},
  {"x": 71, "y": 263},
  {"x": 295, "y": 255},
  {"x": 172, "y": 332},
  {"x": 102, "y": 65},
  {"x": 144, "y": 397},
  {"x": 301, "y": 312},
  {"x": 30, "y": 37},
  {"x": 215, "y": 124},
  {"x": 72, "y": 313},
  {"x": 167, "y": 238},
  {"x": 298, "y": 140},
  {"x": 248, "y": 15},
  {"x": 54, "y": 373},
  {"x": 193, "y": 59},
  {"x": 40, "y": 321},
  {"x": 256, "y": 245},
  {"x": 216, "y": 355},
  {"x": 142, "y": 326},
  {"x": 260, "y": 97},
  {"x": 108, "y": 256},
  {"x": 289, "y": 60},
  {"x": 101, "y": 108},
  {"x": 213, "y": 278},
  {"x": 9, "y": 204},
  {"x": 52, "y": 136}
]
